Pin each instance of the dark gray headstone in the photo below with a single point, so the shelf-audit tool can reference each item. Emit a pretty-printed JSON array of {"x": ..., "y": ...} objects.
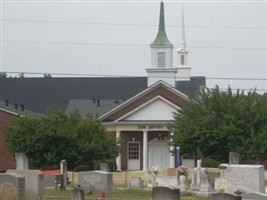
[
  {"x": 160, "y": 193},
  {"x": 49, "y": 180},
  {"x": 225, "y": 196},
  {"x": 64, "y": 173},
  {"x": 77, "y": 194},
  {"x": 12, "y": 186},
  {"x": 95, "y": 181}
]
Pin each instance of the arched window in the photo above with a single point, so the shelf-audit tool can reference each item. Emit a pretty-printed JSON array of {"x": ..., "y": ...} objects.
[{"x": 182, "y": 59}]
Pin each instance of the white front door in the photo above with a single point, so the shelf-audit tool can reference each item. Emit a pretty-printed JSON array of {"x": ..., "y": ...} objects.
[
  {"x": 159, "y": 155},
  {"x": 133, "y": 155}
]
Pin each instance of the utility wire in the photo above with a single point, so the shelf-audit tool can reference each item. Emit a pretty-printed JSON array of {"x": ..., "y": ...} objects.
[
  {"x": 128, "y": 24},
  {"x": 125, "y": 76},
  {"x": 123, "y": 45}
]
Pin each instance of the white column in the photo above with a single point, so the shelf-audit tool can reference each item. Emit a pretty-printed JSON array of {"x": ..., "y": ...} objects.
[
  {"x": 172, "y": 156},
  {"x": 118, "y": 159},
  {"x": 144, "y": 150}
]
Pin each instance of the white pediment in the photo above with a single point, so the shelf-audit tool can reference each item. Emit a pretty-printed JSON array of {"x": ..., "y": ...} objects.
[{"x": 156, "y": 109}]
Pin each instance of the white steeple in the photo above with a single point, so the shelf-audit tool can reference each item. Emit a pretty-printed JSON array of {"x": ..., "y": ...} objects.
[
  {"x": 183, "y": 73},
  {"x": 161, "y": 56}
]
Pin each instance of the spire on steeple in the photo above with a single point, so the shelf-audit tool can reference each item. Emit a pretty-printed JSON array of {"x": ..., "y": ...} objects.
[
  {"x": 182, "y": 42},
  {"x": 161, "y": 38},
  {"x": 183, "y": 69}
]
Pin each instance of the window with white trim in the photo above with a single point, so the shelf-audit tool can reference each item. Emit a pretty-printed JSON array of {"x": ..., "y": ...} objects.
[{"x": 133, "y": 150}]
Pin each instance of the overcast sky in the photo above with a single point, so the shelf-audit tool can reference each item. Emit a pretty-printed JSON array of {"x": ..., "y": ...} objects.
[{"x": 225, "y": 39}]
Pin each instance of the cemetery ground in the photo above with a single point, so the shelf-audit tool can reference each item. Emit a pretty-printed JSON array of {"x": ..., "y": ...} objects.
[{"x": 121, "y": 193}]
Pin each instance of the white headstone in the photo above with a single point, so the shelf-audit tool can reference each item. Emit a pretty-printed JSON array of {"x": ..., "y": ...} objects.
[
  {"x": 22, "y": 161},
  {"x": 249, "y": 178}
]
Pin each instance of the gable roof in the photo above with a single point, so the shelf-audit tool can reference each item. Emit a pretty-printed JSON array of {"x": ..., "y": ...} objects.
[
  {"x": 156, "y": 109},
  {"x": 40, "y": 94},
  {"x": 17, "y": 110},
  {"x": 160, "y": 88}
]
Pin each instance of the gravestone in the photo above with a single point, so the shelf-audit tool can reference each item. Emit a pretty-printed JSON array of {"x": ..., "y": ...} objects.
[
  {"x": 196, "y": 177},
  {"x": 137, "y": 182},
  {"x": 49, "y": 180},
  {"x": 64, "y": 173},
  {"x": 34, "y": 182},
  {"x": 12, "y": 187},
  {"x": 104, "y": 167},
  {"x": 22, "y": 162},
  {"x": 77, "y": 194},
  {"x": 95, "y": 181},
  {"x": 193, "y": 185},
  {"x": 233, "y": 158},
  {"x": 59, "y": 182},
  {"x": 254, "y": 196},
  {"x": 198, "y": 172},
  {"x": 249, "y": 178},
  {"x": 160, "y": 193},
  {"x": 167, "y": 181},
  {"x": 225, "y": 196},
  {"x": 204, "y": 183}
]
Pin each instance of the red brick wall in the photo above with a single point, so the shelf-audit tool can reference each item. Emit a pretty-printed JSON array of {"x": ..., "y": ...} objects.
[{"x": 7, "y": 160}]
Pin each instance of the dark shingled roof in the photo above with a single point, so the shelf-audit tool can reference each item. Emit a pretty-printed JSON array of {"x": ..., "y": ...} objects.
[{"x": 39, "y": 94}]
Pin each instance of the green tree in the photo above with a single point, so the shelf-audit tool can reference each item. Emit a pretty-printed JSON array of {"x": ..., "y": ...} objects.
[
  {"x": 3, "y": 75},
  {"x": 222, "y": 122},
  {"x": 56, "y": 136}
]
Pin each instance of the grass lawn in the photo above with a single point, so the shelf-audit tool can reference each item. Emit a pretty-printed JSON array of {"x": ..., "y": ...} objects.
[{"x": 120, "y": 194}]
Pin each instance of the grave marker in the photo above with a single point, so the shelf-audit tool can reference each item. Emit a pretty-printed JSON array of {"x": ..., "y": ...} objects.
[
  {"x": 95, "y": 181},
  {"x": 64, "y": 173},
  {"x": 34, "y": 182},
  {"x": 12, "y": 187},
  {"x": 249, "y": 178},
  {"x": 22, "y": 161},
  {"x": 225, "y": 196},
  {"x": 233, "y": 158},
  {"x": 160, "y": 193}
]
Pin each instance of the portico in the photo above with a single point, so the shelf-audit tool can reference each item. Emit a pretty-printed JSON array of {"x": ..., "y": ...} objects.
[
  {"x": 140, "y": 124},
  {"x": 143, "y": 146}
]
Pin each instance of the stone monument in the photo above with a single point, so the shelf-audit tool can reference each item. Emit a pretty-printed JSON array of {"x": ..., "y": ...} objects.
[
  {"x": 12, "y": 186},
  {"x": 22, "y": 162},
  {"x": 64, "y": 173},
  {"x": 95, "y": 181},
  {"x": 34, "y": 182},
  {"x": 160, "y": 193}
]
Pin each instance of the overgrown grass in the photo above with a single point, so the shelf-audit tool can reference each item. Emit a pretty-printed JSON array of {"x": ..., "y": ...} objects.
[{"x": 117, "y": 194}]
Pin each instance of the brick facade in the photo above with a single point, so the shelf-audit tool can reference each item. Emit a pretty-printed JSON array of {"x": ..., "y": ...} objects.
[{"x": 7, "y": 160}]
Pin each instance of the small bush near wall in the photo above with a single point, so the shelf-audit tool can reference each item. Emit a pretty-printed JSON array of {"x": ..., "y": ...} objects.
[{"x": 208, "y": 162}]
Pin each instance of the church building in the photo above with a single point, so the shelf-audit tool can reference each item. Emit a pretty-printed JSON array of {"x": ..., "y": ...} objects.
[{"x": 135, "y": 110}]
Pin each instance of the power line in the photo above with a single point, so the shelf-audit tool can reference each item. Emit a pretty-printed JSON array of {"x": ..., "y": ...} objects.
[
  {"x": 128, "y": 24},
  {"x": 125, "y": 76},
  {"x": 123, "y": 45}
]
